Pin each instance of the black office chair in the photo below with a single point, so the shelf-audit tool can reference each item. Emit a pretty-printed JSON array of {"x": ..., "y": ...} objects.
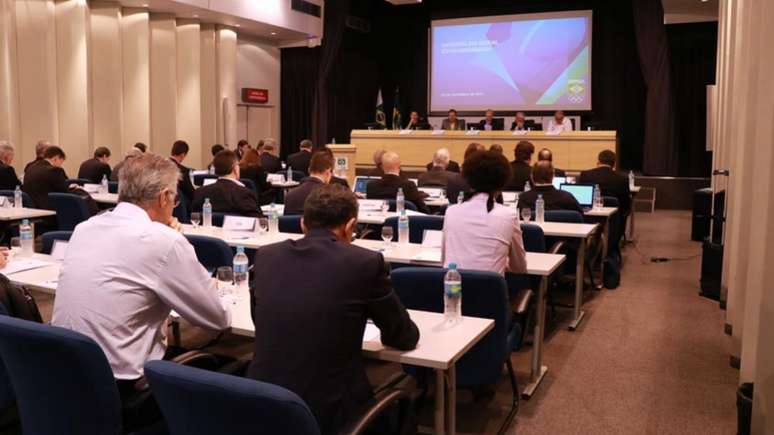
[
  {"x": 70, "y": 210},
  {"x": 50, "y": 237}
]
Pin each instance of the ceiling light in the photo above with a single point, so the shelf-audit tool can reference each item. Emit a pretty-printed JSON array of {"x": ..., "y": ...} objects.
[
  {"x": 239, "y": 25},
  {"x": 145, "y": 5},
  {"x": 273, "y": 33},
  {"x": 196, "y": 15}
]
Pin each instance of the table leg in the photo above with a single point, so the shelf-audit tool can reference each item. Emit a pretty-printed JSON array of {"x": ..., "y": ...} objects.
[
  {"x": 538, "y": 369},
  {"x": 440, "y": 403},
  {"x": 451, "y": 400},
  {"x": 579, "y": 263}
]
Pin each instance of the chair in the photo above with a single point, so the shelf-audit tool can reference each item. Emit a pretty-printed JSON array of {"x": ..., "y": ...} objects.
[
  {"x": 79, "y": 181},
  {"x": 51, "y": 236},
  {"x": 211, "y": 252},
  {"x": 417, "y": 226},
  {"x": 572, "y": 217},
  {"x": 26, "y": 199},
  {"x": 198, "y": 402},
  {"x": 290, "y": 224},
  {"x": 297, "y": 175},
  {"x": 198, "y": 179},
  {"x": 485, "y": 295},
  {"x": 249, "y": 184},
  {"x": 112, "y": 186},
  {"x": 7, "y": 396},
  {"x": 180, "y": 212},
  {"x": 70, "y": 210},
  {"x": 394, "y": 205}
]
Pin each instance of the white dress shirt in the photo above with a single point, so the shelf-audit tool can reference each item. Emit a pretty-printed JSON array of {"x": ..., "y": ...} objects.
[
  {"x": 121, "y": 276},
  {"x": 476, "y": 239},
  {"x": 566, "y": 125}
]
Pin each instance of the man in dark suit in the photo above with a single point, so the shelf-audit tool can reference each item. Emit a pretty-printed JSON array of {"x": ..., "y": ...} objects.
[
  {"x": 438, "y": 175},
  {"x": 300, "y": 161},
  {"x": 320, "y": 173},
  {"x": 554, "y": 199},
  {"x": 387, "y": 187},
  {"x": 96, "y": 168},
  {"x": 490, "y": 123},
  {"x": 8, "y": 178},
  {"x": 46, "y": 176},
  {"x": 184, "y": 185},
  {"x": 520, "y": 166},
  {"x": 40, "y": 148},
  {"x": 452, "y": 123},
  {"x": 269, "y": 162},
  {"x": 546, "y": 155},
  {"x": 311, "y": 300},
  {"x": 416, "y": 122},
  {"x": 610, "y": 182},
  {"x": 228, "y": 194}
]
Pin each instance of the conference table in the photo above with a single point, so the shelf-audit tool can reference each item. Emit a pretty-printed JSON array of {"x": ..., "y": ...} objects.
[
  {"x": 10, "y": 214},
  {"x": 365, "y": 215},
  {"x": 105, "y": 198}
]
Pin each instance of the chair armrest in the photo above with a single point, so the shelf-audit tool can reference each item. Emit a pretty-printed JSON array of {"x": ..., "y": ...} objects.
[
  {"x": 557, "y": 247},
  {"x": 373, "y": 410},
  {"x": 193, "y": 358}
]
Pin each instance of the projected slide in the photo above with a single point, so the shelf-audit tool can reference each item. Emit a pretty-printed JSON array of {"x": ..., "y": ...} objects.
[{"x": 515, "y": 62}]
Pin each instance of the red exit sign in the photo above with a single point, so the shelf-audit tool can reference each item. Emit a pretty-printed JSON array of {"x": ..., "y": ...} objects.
[{"x": 255, "y": 96}]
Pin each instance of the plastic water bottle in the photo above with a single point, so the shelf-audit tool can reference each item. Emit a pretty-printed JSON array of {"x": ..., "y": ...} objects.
[
  {"x": 540, "y": 209},
  {"x": 240, "y": 269},
  {"x": 17, "y": 198},
  {"x": 289, "y": 177},
  {"x": 27, "y": 238},
  {"x": 273, "y": 219},
  {"x": 400, "y": 201},
  {"x": 452, "y": 295},
  {"x": 207, "y": 213},
  {"x": 597, "y": 197},
  {"x": 631, "y": 180},
  {"x": 104, "y": 184},
  {"x": 333, "y": 141},
  {"x": 403, "y": 228},
  {"x": 527, "y": 187},
  {"x": 212, "y": 170},
  {"x": 460, "y": 198}
]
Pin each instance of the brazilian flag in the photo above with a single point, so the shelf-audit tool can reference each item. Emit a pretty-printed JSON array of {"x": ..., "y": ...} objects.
[
  {"x": 381, "y": 118},
  {"x": 396, "y": 121}
]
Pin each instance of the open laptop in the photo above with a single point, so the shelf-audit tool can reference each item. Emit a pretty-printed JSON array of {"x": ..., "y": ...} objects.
[
  {"x": 558, "y": 181},
  {"x": 361, "y": 182},
  {"x": 583, "y": 193}
]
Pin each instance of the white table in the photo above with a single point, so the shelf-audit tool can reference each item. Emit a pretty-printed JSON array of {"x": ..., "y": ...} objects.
[
  {"x": 364, "y": 216},
  {"x": 8, "y": 214},
  {"x": 44, "y": 279},
  {"x": 105, "y": 198},
  {"x": 246, "y": 239}
]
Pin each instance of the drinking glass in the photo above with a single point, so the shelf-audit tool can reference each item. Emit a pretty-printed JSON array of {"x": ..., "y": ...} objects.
[
  {"x": 196, "y": 218},
  {"x": 263, "y": 226},
  {"x": 385, "y": 207},
  {"x": 16, "y": 247},
  {"x": 526, "y": 214},
  {"x": 387, "y": 235},
  {"x": 225, "y": 275}
]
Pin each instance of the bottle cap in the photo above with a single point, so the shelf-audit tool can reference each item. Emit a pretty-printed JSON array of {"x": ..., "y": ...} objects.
[
  {"x": 25, "y": 221},
  {"x": 452, "y": 266},
  {"x": 206, "y": 200},
  {"x": 240, "y": 249}
]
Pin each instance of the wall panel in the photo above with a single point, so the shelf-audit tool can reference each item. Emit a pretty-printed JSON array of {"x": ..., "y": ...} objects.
[
  {"x": 209, "y": 86},
  {"x": 135, "y": 50},
  {"x": 163, "y": 82},
  {"x": 189, "y": 96},
  {"x": 226, "y": 40},
  {"x": 9, "y": 98},
  {"x": 258, "y": 66},
  {"x": 107, "y": 78}
]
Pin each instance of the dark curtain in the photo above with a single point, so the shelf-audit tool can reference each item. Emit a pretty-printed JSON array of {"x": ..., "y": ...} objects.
[
  {"x": 659, "y": 154},
  {"x": 299, "y": 68},
  {"x": 693, "y": 52}
]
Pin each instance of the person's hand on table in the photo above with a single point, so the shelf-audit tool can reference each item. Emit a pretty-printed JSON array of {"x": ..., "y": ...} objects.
[{"x": 3, "y": 256}]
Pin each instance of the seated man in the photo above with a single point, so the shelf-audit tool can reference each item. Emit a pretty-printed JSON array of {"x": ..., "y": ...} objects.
[
  {"x": 490, "y": 123},
  {"x": 452, "y": 122},
  {"x": 438, "y": 175},
  {"x": 228, "y": 194},
  {"x": 8, "y": 178},
  {"x": 452, "y": 166},
  {"x": 300, "y": 161},
  {"x": 46, "y": 176},
  {"x": 309, "y": 322},
  {"x": 559, "y": 123},
  {"x": 270, "y": 162},
  {"x": 127, "y": 268},
  {"x": 416, "y": 122},
  {"x": 610, "y": 182},
  {"x": 96, "y": 168},
  {"x": 214, "y": 151},
  {"x": 521, "y": 170},
  {"x": 320, "y": 173},
  {"x": 132, "y": 153},
  {"x": 553, "y": 199},
  {"x": 546, "y": 155},
  {"x": 184, "y": 185},
  {"x": 40, "y": 148},
  {"x": 241, "y": 149},
  {"x": 387, "y": 187}
]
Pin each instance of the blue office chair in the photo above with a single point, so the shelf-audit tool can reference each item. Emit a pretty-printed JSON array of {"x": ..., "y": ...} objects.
[
  {"x": 181, "y": 212},
  {"x": 49, "y": 238},
  {"x": 297, "y": 175},
  {"x": 26, "y": 199},
  {"x": 7, "y": 396},
  {"x": 198, "y": 179},
  {"x": 249, "y": 184},
  {"x": 409, "y": 205},
  {"x": 417, "y": 226},
  {"x": 70, "y": 210},
  {"x": 211, "y": 252},
  {"x": 112, "y": 186},
  {"x": 290, "y": 224},
  {"x": 198, "y": 402},
  {"x": 79, "y": 181}
]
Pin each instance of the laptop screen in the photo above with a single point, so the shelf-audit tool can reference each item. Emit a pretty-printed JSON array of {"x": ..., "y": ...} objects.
[
  {"x": 583, "y": 193},
  {"x": 361, "y": 183},
  {"x": 558, "y": 181}
]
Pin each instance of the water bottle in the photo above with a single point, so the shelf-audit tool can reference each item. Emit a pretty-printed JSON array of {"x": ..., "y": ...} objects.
[
  {"x": 527, "y": 187},
  {"x": 540, "y": 209},
  {"x": 631, "y": 180},
  {"x": 333, "y": 141},
  {"x": 17, "y": 198},
  {"x": 212, "y": 169},
  {"x": 27, "y": 238},
  {"x": 460, "y": 198},
  {"x": 289, "y": 177},
  {"x": 104, "y": 185},
  {"x": 207, "y": 213},
  {"x": 403, "y": 228},
  {"x": 597, "y": 197},
  {"x": 273, "y": 219},
  {"x": 452, "y": 295},
  {"x": 400, "y": 201},
  {"x": 240, "y": 269}
]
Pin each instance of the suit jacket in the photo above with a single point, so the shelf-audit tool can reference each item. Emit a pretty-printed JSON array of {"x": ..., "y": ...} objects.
[
  {"x": 455, "y": 184},
  {"x": 94, "y": 170},
  {"x": 184, "y": 185},
  {"x": 420, "y": 125},
  {"x": 339, "y": 181},
  {"x": 226, "y": 196},
  {"x": 434, "y": 178},
  {"x": 497, "y": 124},
  {"x": 527, "y": 124},
  {"x": 521, "y": 172},
  {"x": 256, "y": 173},
  {"x": 300, "y": 161},
  {"x": 8, "y": 178},
  {"x": 270, "y": 163},
  {"x": 41, "y": 179},
  {"x": 611, "y": 183},
  {"x": 310, "y": 307},
  {"x": 27, "y": 166},
  {"x": 446, "y": 124},
  {"x": 553, "y": 198},
  {"x": 387, "y": 188},
  {"x": 452, "y": 167},
  {"x": 294, "y": 200}
]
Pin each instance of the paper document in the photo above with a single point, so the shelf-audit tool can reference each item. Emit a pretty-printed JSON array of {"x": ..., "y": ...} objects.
[
  {"x": 371, "y": 333},
  {"x": 238, "y": 223},
  {"x": 432, "y": 239},
  {"x": 21, "y": 264},
  {"x": 428, "y": 255},
  {"x": 370, "y": 204}
]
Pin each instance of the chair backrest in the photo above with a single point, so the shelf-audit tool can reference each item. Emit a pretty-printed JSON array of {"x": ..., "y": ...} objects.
[
  {"x": 534, "y": 239},
  {"x": 211, "y": 252},
  {"x": 18, "y": 302},
  {"x": 249, "y": 184},
  {"x": 200, "y": 402},
  {"x": 78, "y": 181},
  {"x": 70, "y": 210},
  {"x": 568, "y": 216},
  {"x": 409, "y": 205},
  {"x": 485, "y": 295},
  {"x": 290, "y": 224},
  {"x": 198, "y": 179},
  {"x": 26, "y": 199},
  {"x": 51, "y": 236},
  {"x": 181, "y": 211},
  {"x": 62, "y": 380},
  {"x": 7, "y": 396},
  {"x": 417, "y": 226},
  {"x": 112, "y": 186}
]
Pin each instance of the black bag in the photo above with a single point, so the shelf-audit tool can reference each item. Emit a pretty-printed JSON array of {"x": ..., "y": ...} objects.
[
  {"x": 612, "y": 278},
  {"x": 18, "y": 302}
]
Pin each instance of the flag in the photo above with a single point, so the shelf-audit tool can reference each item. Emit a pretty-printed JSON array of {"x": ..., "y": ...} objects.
[
  {"x": 396, "y": 121},
  {"x": 381, "y": 119}
]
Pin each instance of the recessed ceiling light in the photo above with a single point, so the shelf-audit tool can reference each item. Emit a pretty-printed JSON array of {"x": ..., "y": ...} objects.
[
  {"x": 196, "y": 15},
  {"x": 145, "y": 5},
  {"x": 239, "y": 25},
  {"x": 273, "y": 33}
]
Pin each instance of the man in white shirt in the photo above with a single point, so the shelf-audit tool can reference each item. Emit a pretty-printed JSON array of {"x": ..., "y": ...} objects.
[
  {"x": 126, "y": 269},
  {"x": 559, "y": 123}
]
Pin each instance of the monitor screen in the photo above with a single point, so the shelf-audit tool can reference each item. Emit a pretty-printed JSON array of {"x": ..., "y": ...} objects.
[
  {"x": 583, "y": 193},
  {"x": 361, "y": 183}
]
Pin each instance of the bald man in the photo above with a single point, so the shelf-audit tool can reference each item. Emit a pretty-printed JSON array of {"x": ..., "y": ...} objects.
[
  {"x": 545, "y": 155},
  {"x": 387, "y": 186}
]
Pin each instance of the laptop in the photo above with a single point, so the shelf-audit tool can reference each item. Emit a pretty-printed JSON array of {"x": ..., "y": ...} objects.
[
  {"x": 558, "y": 181},
  {"x": 583, "y": 193},
  {"x": 361, "y": 182}
]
